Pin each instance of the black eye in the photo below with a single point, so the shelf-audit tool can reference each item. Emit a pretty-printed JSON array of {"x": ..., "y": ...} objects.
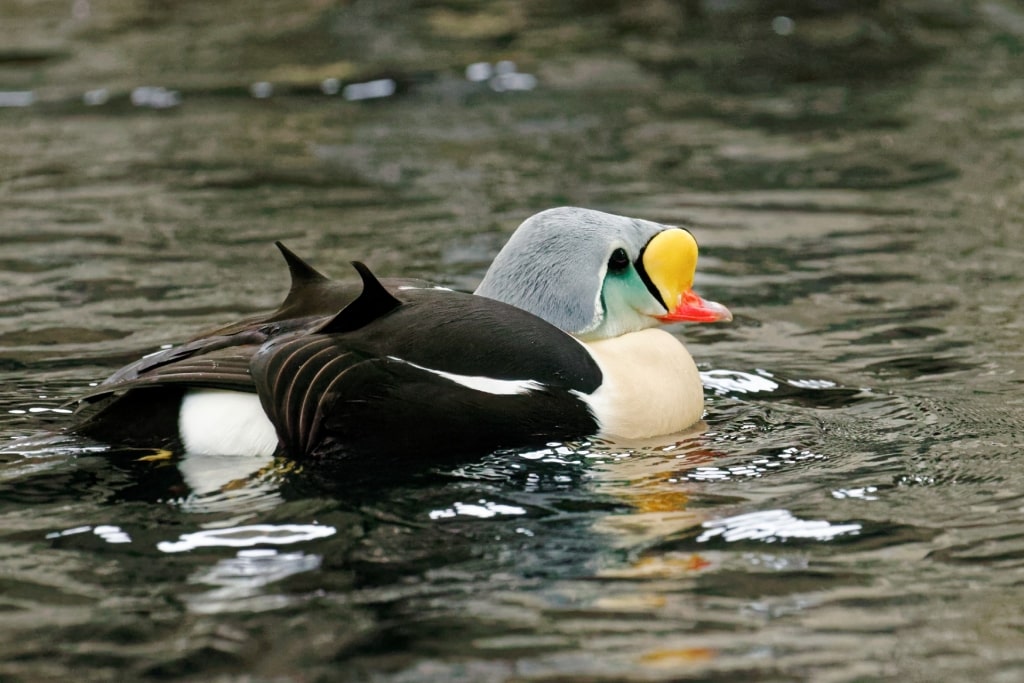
[{"x": 618, "y": 261}]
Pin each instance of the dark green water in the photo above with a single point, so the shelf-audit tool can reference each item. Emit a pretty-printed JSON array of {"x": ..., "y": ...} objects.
[{"x": 854, "y": 509}]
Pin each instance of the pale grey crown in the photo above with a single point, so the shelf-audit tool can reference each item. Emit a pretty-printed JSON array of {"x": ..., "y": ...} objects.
[{"x": 554, "y": 264}]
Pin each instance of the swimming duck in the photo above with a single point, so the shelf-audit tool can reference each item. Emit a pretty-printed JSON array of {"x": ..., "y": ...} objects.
[{"x": 560, "y": 341}]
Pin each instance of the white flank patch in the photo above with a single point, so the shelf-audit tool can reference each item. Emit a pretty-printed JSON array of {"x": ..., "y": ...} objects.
[
  {"x": 218, "y": 422},
  {"x": 439, "y": 288},
  {"x": 488, "y": 385}
]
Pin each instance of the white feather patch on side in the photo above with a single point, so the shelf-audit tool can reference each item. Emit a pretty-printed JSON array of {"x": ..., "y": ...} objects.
[
  {"x": 650, "y": 385},
  {"x": 218, "y": 422},
  {"x": 489, "y": 385}
]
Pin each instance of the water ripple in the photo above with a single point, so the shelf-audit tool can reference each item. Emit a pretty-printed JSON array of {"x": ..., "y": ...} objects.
[
  {"x": 482, "y": 509},
  {"x": 773, "y": 525},
  {"x": 756, "y": 467},
  {"x": 247, "y": 536},
  {"x": 240, "y": 581}
]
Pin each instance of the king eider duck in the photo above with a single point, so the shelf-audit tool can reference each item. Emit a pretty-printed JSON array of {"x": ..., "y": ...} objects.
[{"x": 559, "y": 342}]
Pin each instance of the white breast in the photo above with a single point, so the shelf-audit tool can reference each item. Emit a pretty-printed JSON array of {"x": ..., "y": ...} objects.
[
  {"x": 651, "y": 385},
  {"x": 217, "y": 422}
]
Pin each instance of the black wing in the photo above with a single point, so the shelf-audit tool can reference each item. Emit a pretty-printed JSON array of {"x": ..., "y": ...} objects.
[
  {"x": 410, "y": 379},
  {"x": 140, "y": 400}
]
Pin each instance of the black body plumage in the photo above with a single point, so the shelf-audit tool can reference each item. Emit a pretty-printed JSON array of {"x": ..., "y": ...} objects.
[{"x": 389, "y": 368}]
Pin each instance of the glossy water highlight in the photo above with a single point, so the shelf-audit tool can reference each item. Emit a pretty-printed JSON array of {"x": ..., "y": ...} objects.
[{"x": 849, "y": 510}]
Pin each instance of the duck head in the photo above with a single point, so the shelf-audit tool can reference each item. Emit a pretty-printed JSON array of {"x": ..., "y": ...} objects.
[{"x": 596, "y": 275}]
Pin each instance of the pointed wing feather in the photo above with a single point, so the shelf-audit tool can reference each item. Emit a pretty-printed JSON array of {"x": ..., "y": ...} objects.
[
  {"x": 226, "y": 368},
  {"x": 373, "y": 302}
]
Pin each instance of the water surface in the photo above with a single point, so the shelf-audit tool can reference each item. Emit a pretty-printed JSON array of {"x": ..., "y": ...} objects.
[{"x": 853, "y": 507}]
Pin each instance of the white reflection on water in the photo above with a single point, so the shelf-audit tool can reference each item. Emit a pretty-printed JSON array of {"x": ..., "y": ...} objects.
[
  {"x": 724, "y": 382},
  {"x": 245, "y": 536},
  {"x": 261, "y": 90},
  {"x": 17, "y": 98},
  {"x": 370, "y": 90},
  {"x": 558, "y": 453},
  {"x": 40, "y": 453},
  {"x": 108, "y": 532},
  {"x": 754, "y": 468},
  {"x": 228, "y": 483},
  {"x": 240, "y": 580},
  {"x": 863, "y": 493},
  {"x": 479, "y": 71},
  {"x": 513, "y": 81},
  {"x": 501, "y": 77},
  {"x": 210, "y": 473},
  {"x": 773, "y": 525},
  {"x": 40, "y": 409},
  {"x": 49, "y": 446},
  {"x": 155, "y": 97},
  {"x": 483, "y": 509},
  {"x": 734, "y": 381},
  {"x": 96, "y": 97},
  {"x": 812, "y": 383}
]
